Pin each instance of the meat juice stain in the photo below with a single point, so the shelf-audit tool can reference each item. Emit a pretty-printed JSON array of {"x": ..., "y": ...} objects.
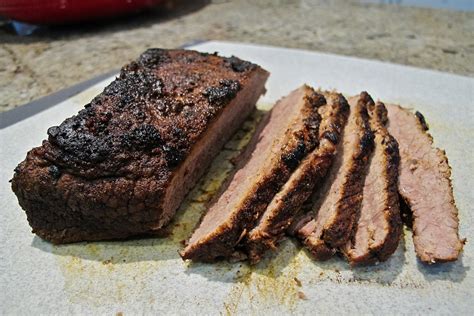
[
  {"x": 394, "y": 273},
  {"x": 273, "y": 282}
]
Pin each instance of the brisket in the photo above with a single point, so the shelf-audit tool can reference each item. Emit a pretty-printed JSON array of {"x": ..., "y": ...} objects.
[
  {"x": 425, "y": 186},
  {"x": 379, "y": 227},
  {"x": 338, "y": 200},
  {"x": 288, "y": 133},
  {"x": 287, "y": 204},
  {"x": 123, "y": 164}
]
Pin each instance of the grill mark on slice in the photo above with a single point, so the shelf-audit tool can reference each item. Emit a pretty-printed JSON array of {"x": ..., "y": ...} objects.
[
  {"x": 379, "y": 226},
  {"x": 338, "y": 200},
  {"x": 289, "y": 134},
  {"x": 287, "y": 204},
  {"x": 425, "y": 186}
]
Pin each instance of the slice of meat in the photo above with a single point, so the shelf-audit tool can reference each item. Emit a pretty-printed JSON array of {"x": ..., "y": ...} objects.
[
  {"x": 288, "y": 134},
  {"x": 338, "y": 200},
  {"x": 287, "y": 204},
  {"x": 379, "y": 226},
  {"x": 123, "y": 164},
  {"x": 425, "y": 185}
]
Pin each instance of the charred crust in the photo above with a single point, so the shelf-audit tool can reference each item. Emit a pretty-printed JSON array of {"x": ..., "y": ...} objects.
[
  {"x": 343, "y": 104},
  {"x": 152, "y": 57},
  {"x": 366, "y": 98},
  {"x": 312, "y": 122},
  {"x": 392, "y": 150},
  {"x": 141, "y": 110},
  {"x": 367, "y": 141},
  {"x": 226, "y": 90},
  {"x": 134, "y": 82},
  {"x": 145, "y": 136},
  {"x": 367, "y": 137},
  {"x": 54, "y": 172},
  {"x": 238, "y": 65},
  {"x": 332, "y": 136},
  {"x": 79, "y": 146},
  {"x": 173, "y": 155},
  {"x": 316, "y": 99},
  {"x": 422, "y": 121},
  {"x": 293, "y": 158},
  {"x": 307, "y": 138},
  {"x": 340, "y": 111},
  {"x": 381, "y": 112}
]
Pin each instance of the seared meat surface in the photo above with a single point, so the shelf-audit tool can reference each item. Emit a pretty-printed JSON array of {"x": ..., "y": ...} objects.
[{"x": 123, "y": 164}]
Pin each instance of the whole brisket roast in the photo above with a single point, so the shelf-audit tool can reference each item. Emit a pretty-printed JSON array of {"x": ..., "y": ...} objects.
[
  {"x": 287, "y": 204},
  {"x": 284, "y": 138},
  {"x": 337, "y": 202},
  {"x": 123, "y": 164},
  {"x": 379, "y": 227},
  {"x": 425, "y": 185}
]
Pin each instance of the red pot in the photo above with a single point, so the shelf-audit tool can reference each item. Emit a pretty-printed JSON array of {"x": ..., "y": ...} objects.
[{"x": 66, "y": 11}]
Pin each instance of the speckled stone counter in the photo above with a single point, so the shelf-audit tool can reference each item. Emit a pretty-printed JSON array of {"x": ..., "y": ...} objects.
[{"x": 55, "y": 58}]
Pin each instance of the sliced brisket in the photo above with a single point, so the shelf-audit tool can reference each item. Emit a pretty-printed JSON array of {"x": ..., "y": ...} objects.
[
  {"x": 338, "y": 200},
  {"x": 289, "y": 132},
  {"x": 287, "y": 204},
  {"x": 123, "y": 164},
  {"x": 425, "y": 185},
  {"x": 379, "y": 226}
]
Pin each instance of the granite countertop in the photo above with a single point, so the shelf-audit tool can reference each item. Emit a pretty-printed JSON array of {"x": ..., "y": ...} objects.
[{"x": 55, "y": 58}]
